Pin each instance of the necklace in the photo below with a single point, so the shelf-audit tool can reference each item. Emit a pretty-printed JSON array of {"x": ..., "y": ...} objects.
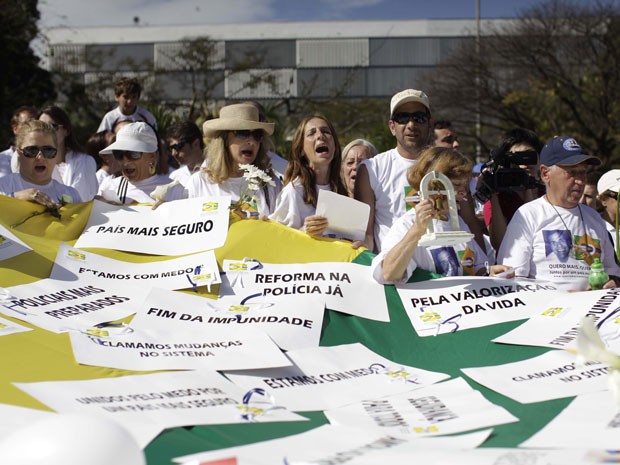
[{"x": 583, "y": 253}]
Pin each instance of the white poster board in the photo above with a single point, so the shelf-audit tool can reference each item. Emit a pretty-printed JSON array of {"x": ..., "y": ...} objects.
[
  {"x": 175, "y": 228},
  {"x": 10, "y": 245},
  {"x": 346, "y": 217}
]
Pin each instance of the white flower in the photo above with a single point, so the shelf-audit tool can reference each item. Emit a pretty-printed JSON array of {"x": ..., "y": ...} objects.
[
  {"x": 590, "y": 347},
  {"x": 160, "y": 191}
]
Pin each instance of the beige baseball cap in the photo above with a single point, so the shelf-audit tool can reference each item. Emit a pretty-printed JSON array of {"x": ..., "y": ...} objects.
[{"x": 409, "y": 95}]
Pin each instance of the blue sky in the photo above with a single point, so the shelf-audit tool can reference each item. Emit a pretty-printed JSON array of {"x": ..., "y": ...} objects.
[{"x": 81, "y": 13}]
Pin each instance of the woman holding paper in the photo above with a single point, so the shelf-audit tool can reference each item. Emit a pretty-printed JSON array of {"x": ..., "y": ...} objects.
[
  {"x": 401, "y": 255},
  {"x": 137, "y": 150},
  {"x": 35, "y": 145},
  {"x": 237, "y": 162},
  {"x": 314, "y": 165}
]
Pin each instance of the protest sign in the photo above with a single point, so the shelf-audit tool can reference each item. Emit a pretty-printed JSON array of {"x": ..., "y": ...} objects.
[
  {"x": 9, "y": 327},
  {"x": 338, "y": 284},
  {"x": 15, "y": 417},
  {"x": 59, "y": 306},
  {"x": 329, "y": 377},
  {"x": 557, "y": 326},
  {"x": 10, "y": 245},
  {"x": 347, "y": 217},
  {"x": 161, "y": 400},
  {"x": 338, "y": 444},
  {"x": 444, "y": 408},
  {"x": 189, "y": 271},
  {"x": 291, "y": 322},
  {"x": 552, "y": 375},
  {"x": 225, "y": 348},
  {"x": 591, "y": 421},
  {"x": 175, "y": 228},
  {"x": 452, "y": 304}
]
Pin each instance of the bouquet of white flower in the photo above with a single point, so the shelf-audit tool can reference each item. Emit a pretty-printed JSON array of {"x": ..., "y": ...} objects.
[{"x": 257, "y": 179}]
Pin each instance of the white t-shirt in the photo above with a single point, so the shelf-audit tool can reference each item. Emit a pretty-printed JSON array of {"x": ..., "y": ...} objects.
[
  {"x": 290, "y": 208},
  {"x": 551, "y": 245},
  {"x": 200, "y": 186},
  {"x": 112, "y": 116},
  {"x": 5, "y": 162},
  {"x": 182, "y": 174},
  {"x": 101, "y": 175},
  {"x": 79, "y": 171},
  {"x": 54, "y": 189},
  {"x": 458, "y": 260},
  {"x": 120, "y": 190},
  {"x": 612, "y": 232},
  {"x": 387, "y": 173}
]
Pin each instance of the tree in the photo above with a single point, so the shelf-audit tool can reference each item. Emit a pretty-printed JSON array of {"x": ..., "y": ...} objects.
[
  {"x": 555, "y": 70},
  {"x": 22, "y": 81}
]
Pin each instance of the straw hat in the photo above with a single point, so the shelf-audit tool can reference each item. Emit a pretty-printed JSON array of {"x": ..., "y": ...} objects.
[{"x": 237, "y": 117}]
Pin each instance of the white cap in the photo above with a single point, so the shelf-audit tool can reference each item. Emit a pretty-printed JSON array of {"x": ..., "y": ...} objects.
[
  {"x": 610, "y": 181},
  {"x": 136, "y": 137},
  {"x": 409, "y": 95}
]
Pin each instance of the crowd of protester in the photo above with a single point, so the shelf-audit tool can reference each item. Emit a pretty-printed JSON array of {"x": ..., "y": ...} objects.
[{"x": 536, "y": 210}]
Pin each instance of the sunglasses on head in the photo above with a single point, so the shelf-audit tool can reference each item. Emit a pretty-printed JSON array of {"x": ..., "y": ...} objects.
[
  {"x": 419, "y": 117},
  {"x": 245, "y": 134},
  {"x": 120, "y": 154},
  {"x": 178, "y": 146},
  {"x": 32, "y": 151}
]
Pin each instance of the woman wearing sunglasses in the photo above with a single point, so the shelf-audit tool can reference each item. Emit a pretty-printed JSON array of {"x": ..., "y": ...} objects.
[
  {"x": 237, "y": 138},
  {"x": 137, "y": 150},
  {"x": 35, "y": 144},
  {"x": 314, "y": 165}
]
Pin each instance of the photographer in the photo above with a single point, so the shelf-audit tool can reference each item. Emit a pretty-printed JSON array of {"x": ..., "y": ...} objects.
[{"x": 509, "y": 180}]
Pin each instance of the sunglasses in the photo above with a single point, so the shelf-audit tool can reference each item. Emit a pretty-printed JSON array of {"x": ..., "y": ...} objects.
[
  {"x": 245, "y": 134},
  {"x": 32, "y": 151},
  {"x": 178, "y": 146},
  {"x": 419, "y": 117},
  {"x": 120, "y": 154}
]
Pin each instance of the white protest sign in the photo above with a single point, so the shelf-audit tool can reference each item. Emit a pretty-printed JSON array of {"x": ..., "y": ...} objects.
[
  {"x": 590, "y": 421},
  {"x": 552, "y": 375},
  {"x": 452, "y": 304},
  {"x": 346, "y": 217},
  {"x": 144, "y": 350},
  {"x": 291, "y": 323},
  {"x": 189, "y": 271},
  {"x": 338, "y": 283},
  {"x": 175, "y": 228},
  {"x": 329, "y": 377},
  {"x": 161, "y": 400},
  {"x": 15, "y": 417},
  {"x": 557, "y": 326},
  {"x": 59, "y": 306},
  {"x": 9, "y": 327},
  {"x": 10, "y": 245},
  {"x": 444, "y": 408},
  {"x": 338, "y": 444}
]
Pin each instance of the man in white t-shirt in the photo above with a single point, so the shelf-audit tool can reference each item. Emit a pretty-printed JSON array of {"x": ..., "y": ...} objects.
[
  {"x": 127, "y": 94},
  {"x": 555, "y": 238},
  {"x": 381, "y": 181}
]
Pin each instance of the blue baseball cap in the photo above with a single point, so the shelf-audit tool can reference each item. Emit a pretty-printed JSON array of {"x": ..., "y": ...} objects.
[{"x": 565, "y": 151}]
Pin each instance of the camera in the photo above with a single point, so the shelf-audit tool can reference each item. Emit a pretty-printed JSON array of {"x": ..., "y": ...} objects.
[{"x": 502, "y": 174}]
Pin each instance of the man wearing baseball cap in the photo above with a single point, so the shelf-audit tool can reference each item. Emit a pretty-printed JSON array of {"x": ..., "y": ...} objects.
[
  {"x": 381, "y": 180},
  {"x": 555, "y": 238}
]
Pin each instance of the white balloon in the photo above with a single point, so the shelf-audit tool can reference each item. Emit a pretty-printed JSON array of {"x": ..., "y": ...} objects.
[{"x": 71, "y": 439}]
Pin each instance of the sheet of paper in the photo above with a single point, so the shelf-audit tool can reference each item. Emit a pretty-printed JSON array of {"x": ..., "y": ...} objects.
[
  {"x": 330, "y": 377},
  {"x": 10, "y": 245},
  {"x": 143, "y": 403},
  {"x": 591, "y": 421},
  {"x": 291, "y": 322},
  {"x": 444, "y": 408},
  {"x": 15, "y": 417},
  {"x": 338, "y": 444},
  {"x": 227, "y": 348},
  {"x": 552, "y": 375},
  {"x": 347, "y": 217},
  {"x": 557, "y": 326},
  {"x": 452, "y": 304},
  {"x": 8, "y": 327},
  {"x": 337, "y": 283},
  {"x": 175, "y": 228},
  {"x": 178, "y": 273},
  {"x": 59, "y": 306}
]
